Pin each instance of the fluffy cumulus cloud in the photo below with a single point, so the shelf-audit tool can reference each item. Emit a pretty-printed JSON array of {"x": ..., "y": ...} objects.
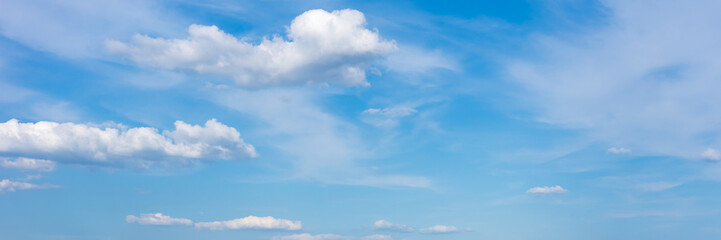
[
  {"x": 711, "y": 154},
  {"x": 251, "y": 222},
  {"x": 7, "y": 185},
  {"x": 157, "y": 219},
  {"x": 616, "y": 150},
  {"x": 386, "y": 117},
  {"x": 119, "y": 145},
  {"x": 386, "y": 225},
  {"x": 539, "y": 191},
  {"x": 440, "y": 229},
  {"x": 28, "y": 164},
  {"x": 321, "y": 47},
  {"x": 636, "y": 79}
]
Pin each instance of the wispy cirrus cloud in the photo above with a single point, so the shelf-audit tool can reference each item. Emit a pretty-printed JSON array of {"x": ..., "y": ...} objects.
[
  {"x": 298, "y": 127},
  {"x": 633, "y": 79}
]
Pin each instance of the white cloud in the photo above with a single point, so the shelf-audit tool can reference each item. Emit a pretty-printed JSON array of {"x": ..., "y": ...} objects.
[
  {"x": 641, "y": 78},
  {"x": 546, "y": 190},
  {"x": 11, "y": 186},
  {"x": 28, "y": 164},
  {"x": 251, "y": 222},
  {"x": 711, "y": 154},
  {"x": 157, "y": 219},
  {"x": 119, "y": 145},
  {"x": 386, "y": 225},
  {"x": 386, "y": 117},
  {"x": 657, "y": 186},
  {"x": 377, "y": 237},
  {"x": 78, "y": 28},
  {"x": 306, "y": 236},
  {"x": 440, "y": 229},
  {"x": 615, "y": 150},
  {"x": 11, "y": 94},
  {"x": 322, "y": 47},
  {"x": 295, "y": 124}
]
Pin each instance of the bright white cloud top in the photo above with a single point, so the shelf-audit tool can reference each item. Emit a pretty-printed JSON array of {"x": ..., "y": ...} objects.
[
  {"x": 120, "y": 145},
  {"x": 386, "y": 225},
  {"x": 251, "y": 222},
  {"x": 546, "y": 190},
  {"x": 28, "y": 164},
  {"x": 157, "y": 219},
  {"x": 322, "y": 47}
]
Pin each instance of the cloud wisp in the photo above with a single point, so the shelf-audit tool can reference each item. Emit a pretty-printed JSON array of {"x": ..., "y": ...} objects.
[
  {"x": 250, "y": 222},
  {"x": 322, "y": 47},
  {"x": 615, "y": 150},
  {"x": 307, "y": 236},
  {"x": 634, "y": 80},
  {"x": 386, "y": 117},
  {"x": 541, "y": 191},
  {"x": 386, "y": 225},
  {"x": 7, "y": 185},
  {"x": 438, "y": 229},
  {"x": 28, "y": 164},
  {"x": 157, "y": 219},
  {"x": 298, "y": 127}
]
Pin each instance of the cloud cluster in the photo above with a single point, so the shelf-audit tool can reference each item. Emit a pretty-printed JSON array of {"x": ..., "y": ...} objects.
[
  {"x": 539, "y": 191},
  {"x": 28, "y": 164},
  {"x": 157, "y": 219},
  {"x": 251, "y": 222},
  {"x": 118, "y": 145},
  {"x": 322, "y": 47}
]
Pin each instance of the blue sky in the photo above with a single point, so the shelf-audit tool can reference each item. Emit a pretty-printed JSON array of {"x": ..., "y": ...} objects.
[{"x": 319, "y": 120}]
